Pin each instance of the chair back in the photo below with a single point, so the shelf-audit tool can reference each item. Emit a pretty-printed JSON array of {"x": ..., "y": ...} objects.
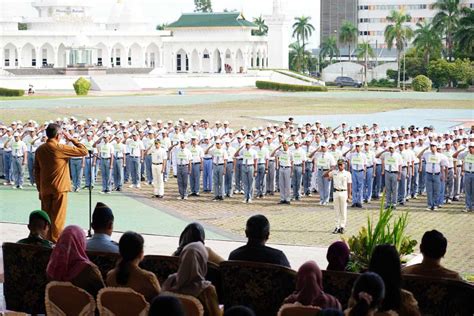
[
  {"x": 105, "y": 261},
  {"x": 25, "y": 277},
  {"x": 260, "y": 286},
  {"x": 63, "y": 298},
  {"x": 438, "y": 296},
  {"x": 298, "y": 310},
  {"x": 161, "y": 266},
  {"x": 116, "y": 301},
  {"x": 339, "y": 284},
  {"x": 191, "y": 305},
  {"x": 214, "y": 276}
]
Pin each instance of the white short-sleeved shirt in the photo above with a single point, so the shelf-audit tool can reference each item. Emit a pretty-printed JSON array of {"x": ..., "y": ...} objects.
[
  {"x": 106, "y": 150},
  {"x": 392, "y": 162},
  {"x": 249, "y": 155},
  {"x": 467, "y": 160},
  {"x": 433, "y": 161},
  {"x": 158, "y": 155},
  {"x": 358, "y": 161},
  {"x": 230, "y": 153},
  {"x": 340, "y": 179},
  {"x": 262, "y": 154},
  {"x": 219, "y": 155},
  {"x": 197, "y": 152},
  {"x": 183, "y": 156},
  {"x": 299, "y": 155},
  {"x": 18, "y": 148},
  {"x": 119, "y": 149},
  {"x": 325, "y": 160},
  {"x": 135, "y": 148},
  {"x": 285, "y": 158}
]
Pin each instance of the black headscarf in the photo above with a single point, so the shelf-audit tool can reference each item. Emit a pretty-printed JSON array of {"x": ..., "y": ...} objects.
[{"x": 192, "y": 233}]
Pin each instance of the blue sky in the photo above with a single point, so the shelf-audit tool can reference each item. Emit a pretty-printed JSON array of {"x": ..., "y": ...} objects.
[{"x": 163, "y": 11}]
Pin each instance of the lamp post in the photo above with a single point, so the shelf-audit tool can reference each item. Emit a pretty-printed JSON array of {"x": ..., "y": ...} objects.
[{"x": 340, "y": 57}]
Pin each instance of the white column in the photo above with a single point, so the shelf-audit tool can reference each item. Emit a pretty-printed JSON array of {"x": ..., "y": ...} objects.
[
  {"x": 245, "y": 57},
  {"x": 111, "y": 60},
  {"x": 39, "y": 57},
  {"x": 222, "y": 63},
  {"x": 68, "y": 57},
  {"x": 162, "y": 57},
  {"x": 2, "y": 59},
  {"x": 200, "y": 55},
  {"x": 54, "y": 61},
  {"x": 173, "y": 61},
  {"x": 234, "y": 62},
  {"x": 143, "y": 58},
  {"x": 127, "y": 50},
  {"x": 211, "y": 62}
]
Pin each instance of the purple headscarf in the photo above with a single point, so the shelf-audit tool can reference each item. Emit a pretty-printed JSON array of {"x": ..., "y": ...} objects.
[{"x": 338, "y": 256}]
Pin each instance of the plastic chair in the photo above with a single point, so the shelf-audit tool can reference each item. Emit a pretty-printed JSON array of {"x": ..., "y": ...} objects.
[
  {"x": 63, "y": 298},
  {"x": 117, "y": 301}
]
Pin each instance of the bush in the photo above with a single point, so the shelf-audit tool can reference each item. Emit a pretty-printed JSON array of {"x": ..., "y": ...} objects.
[
  {"x": 268, "y": 85},
  {"x": 463, "y": 85},
  {"x": 382, "y": 83},
  {"x": 421, "y": 83},
  {"x": 4, "y": 92},
  {"x": 82, "y": 86}
]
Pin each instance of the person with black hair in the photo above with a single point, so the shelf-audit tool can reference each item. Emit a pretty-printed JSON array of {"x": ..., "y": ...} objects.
[
  {"x": 385, "y": 261},
  {"x": 367, "y": 295},
  {"x": 192, "y": 233},
  {"x": 38, "y": 224},
  {"x": 433, "y": 247},
  {"x": 258, "y": 232},
  {"x": 165, "y": 305},
  {"x": 103, "y": 225},
  {"x": 128, "y": 273}
]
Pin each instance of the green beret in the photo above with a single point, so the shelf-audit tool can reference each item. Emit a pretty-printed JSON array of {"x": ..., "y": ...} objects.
[{"x": 41, "y": 214}]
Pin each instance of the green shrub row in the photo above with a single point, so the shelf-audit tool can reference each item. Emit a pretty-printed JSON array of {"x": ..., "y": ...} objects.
[
  {"x": 421, "y": 83},
  {"x": 4, "y": 92},
  {"x": 382, "y": 83},
  {"x": 268, "y": 85}
]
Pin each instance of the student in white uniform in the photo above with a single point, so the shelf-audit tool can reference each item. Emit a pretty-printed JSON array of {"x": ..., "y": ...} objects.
[
  {"x": 19, "y": 153},
  {"x": 158, "y": 167},
  {"x": 219, "y": 167}
]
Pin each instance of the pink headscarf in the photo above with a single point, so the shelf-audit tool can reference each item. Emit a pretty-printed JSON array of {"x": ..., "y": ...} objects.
[
  {"x": 191, "y": 276},
  {"x": 309, "y": 288},
  {"x": 68, "y": 258}
]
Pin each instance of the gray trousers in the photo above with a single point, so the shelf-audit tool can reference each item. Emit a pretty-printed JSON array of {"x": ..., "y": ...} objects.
[
  {"x": 218, "y": 180},
  {"x": 260, "y": 179},
  {"x": 1, "y": 163},
  {"x": 296, "y": 181},
  {"x": 247, "y": 180},
  {"x": 238, "y": 175},
  {"x": 31, "y": 165},
  {"x": 270, "y": 181},
  {"x": 229, "y": 175},
  {"x": 195, "y": 177},
  {"x": 308, "y": 174},
  {"x": 285, "y": 183},
  {"x": 106, "y": 175},
  {"x": 402, "y": 186},
  {"x": 135, "y": 167},
  {"x": 183, "y": 176},
  {"x": 118, "y": 172},
  {"x": 449, "y": 189},
  {"x": 457, "y": 181},
  {"x": 17, "y": 170},
  {"x": 391, "y": 185}
]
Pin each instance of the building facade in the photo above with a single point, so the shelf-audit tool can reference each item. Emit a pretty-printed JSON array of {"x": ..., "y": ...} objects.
[{"x": 65, "y": 34}]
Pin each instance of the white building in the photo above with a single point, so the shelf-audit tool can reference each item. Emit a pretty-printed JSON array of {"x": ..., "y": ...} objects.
[
  {"x": 372, "y": 16},
  {"x": 65, "y": 35}
]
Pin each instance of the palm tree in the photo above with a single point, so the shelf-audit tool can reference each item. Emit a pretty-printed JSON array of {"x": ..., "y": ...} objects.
[
  {"x": 302, "y": 29},
  {"x": 329, "y": 48},
  {"x": 400, "y": 33},
  {"x": 447, "y": 21},
  {"x": 348, "y": 34},
  {"x": 262, "y": 27},
  {"x": 364, "y": 51},
  {"x": 426, "y": 40},
  {"x": 298, "y": 57},
  {"x": 465, "y": 34}
]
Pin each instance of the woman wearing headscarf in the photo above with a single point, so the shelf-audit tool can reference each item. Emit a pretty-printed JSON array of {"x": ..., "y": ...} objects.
[
  {"x": 190, "y": 278},
  {"x": 69, "y": 262},
  {"x": 338, "y": 256},
  {"x": 309, "y": 288},
  {"x": 192, "y": 233}
]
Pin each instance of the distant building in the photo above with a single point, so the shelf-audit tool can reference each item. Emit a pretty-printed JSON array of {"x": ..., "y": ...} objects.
[{"x": 66, "y": 35}]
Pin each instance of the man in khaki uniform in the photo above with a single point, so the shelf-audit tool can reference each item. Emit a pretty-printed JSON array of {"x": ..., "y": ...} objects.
[
  {"x": 342, "y": 181},
  {"x": 52, "y": 176}
]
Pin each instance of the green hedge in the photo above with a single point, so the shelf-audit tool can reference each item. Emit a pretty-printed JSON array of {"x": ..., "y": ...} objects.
[
  {"x": 421, "y": 83},
  {"x": 82, "y": 86},
  {"x": 268, "y": 85},
  {"x": 4, "y": 92}
]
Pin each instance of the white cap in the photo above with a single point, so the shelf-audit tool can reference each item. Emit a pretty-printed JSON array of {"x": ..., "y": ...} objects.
[
  {"x": 218, "y": 141},
  {"x": 16, "y": 134}
]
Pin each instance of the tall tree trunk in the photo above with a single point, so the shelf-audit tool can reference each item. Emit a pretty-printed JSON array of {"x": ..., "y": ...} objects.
[
  {"x": 349, "y": 52},
  {"x": 398, "y": 66}
]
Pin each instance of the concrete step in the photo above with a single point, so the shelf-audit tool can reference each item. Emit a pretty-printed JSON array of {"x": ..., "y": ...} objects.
[{"x": 114, "y": 83}]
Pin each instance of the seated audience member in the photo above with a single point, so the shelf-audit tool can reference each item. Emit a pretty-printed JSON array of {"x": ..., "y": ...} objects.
[
  {"x": 367, "y": 295},
  {"x": 38, "y": 224},
  {"x": 69, "y": 262},
  {"x": 192, "y": 233},
  {"x": 239, "y": 310},
  {"x": 338, "y": 256},
  {"x": 309, "y": 288},
  {"x": 164, "y": 305},
  {"x": 103, "y": 225},
  {"x": 257, "y": 232},
  {"x": 190, "y": 278},
  {"x": 128, "y": 273},
  {"x": 385, "y": 262},
  {"x": 433, "y": 247}
]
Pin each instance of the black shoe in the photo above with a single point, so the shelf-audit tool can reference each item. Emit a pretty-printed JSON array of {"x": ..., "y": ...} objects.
[
  {"x": 456, "y": 199},
  {"x": 216, "y": 199},
  {"x": 221, "y": 198},
  {"x": 366, "y": 201},
  {"x": 335, "y": 231},
  {"x": 288, "y": 202},
  {"x": 359, "y": 205},
  {"x": 282, "y": 202},
  {"x": 354, "y": 205},
  {"x": 341, "y": 230}
]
